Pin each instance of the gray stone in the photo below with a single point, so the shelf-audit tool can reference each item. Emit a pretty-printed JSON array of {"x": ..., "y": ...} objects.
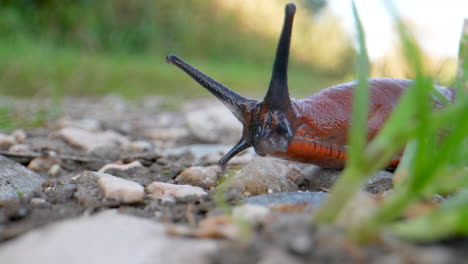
[
  {"x": 265, "y": 175},
  {"x": 204, "y": 177},
  {"x": 88, "y": 192},
  {"x": 107, "y": 237},
  {"x": 312, "y": 198},
  {"x": 15, "y": 178}
]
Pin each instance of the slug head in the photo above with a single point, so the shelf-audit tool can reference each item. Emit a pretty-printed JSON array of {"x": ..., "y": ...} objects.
[
  {"x": 269, "y": 131},
  {"x": 266, "y": 124}
]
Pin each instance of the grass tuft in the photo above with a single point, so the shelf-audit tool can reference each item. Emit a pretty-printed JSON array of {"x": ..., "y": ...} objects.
[{"x": 435, "y": 158}]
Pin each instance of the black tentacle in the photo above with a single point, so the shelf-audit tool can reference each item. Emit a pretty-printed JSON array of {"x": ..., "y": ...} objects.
[
  {"x": 240, "y": 146},
  {"x": 277, "y": 96},
  {"x": 234, "y": 101}
]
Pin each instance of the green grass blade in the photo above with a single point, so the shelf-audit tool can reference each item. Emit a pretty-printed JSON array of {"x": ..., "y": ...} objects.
[{"x": 351, "y": 179}]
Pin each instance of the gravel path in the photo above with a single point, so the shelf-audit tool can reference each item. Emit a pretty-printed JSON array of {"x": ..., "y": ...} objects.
[{"x": 116, "y": 181}]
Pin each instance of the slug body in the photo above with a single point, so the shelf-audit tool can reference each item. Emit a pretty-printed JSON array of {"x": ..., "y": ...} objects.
[{"x": 310, "y": 130}]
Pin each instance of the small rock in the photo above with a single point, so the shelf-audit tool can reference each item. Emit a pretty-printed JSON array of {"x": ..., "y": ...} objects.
[
  {"x": 120, "y": 189},
  {"x": 88, "y": 193},
  {"x": 160, "y": 190},
  {"x": 121, "y": 167},
  {"x": 204, "y": 177},
  {"x": 60, "y": 193},
  {"x": 90, "y": 141},
  {"x": 265, "y": 175},
  {"x": 86, "y": 124},
  {"x": 55, "y": 170},
  {"x": 15, "y": 178},
  {"x": 20, "y": 148},
  {"x": 251, "y": 213},
  {"x": 6, "y": 141},
  {"x": 214, "y": 124},
  {"x": 19, "y": 135},
  {"x": 138, "y": 146},
  {"x": 42, "y": 163}
]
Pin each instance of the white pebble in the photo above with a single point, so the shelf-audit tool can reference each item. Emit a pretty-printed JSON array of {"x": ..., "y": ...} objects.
[
  {"x": 6, "y": 141},
  {"x": 20, "y": 148},
  {"x": 19, "y": 135},
  {"x": 120, "y": 189},
  {"x": 160, "y": 190},
  {"x": 121, "y": 167},
  {"x": 55, "y": 170},
  {"x": 138, "y": 146}
]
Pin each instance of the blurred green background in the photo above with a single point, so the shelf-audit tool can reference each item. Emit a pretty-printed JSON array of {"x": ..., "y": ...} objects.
[{"x": 87, "y": 47}]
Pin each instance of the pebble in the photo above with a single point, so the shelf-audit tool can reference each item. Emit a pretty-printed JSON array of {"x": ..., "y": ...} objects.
[
  {"x": 88, "y": 193},
  {"x": 121, "y": 167},
  {"x": 107, "y": 237},
  {"x": 319, "y": 178},
  {"x": 19, "y": 135},
  {"x": 138, "y": 146},
  {"x": 20, "y": 148},
  {"x": 55, "y": 170},
  {"x": 160, "y": 190},
  {"x": 119, "y": 189},
  {"x": 204, "y": 177},
  {"x": 90, "y": 141},
  {"x": 214, "y": 124},
  {"x": 6, "y": 141},
  {"x": 265, "y": 175},
  {"x": 42, "y": 163},
  {"x": 60, "y": 193},
  {"x": 15, "y": 178}
]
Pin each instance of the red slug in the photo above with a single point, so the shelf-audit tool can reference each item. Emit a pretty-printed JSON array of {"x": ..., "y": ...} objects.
[{"x": 310, "y": 130}]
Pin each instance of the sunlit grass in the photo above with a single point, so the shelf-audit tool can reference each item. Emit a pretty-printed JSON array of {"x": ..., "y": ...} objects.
[
  {"x": 433, "y": 162},
  {"x": 40, "y": 70}
]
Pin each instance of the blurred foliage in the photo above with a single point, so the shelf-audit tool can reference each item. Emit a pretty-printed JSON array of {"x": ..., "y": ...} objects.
[
  {"x": 94, "y": 47},
  {"x": 207, "y": 29}
]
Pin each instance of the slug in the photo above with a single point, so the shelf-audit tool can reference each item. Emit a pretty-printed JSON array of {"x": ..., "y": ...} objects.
[{"x": 309, "y": 130}]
